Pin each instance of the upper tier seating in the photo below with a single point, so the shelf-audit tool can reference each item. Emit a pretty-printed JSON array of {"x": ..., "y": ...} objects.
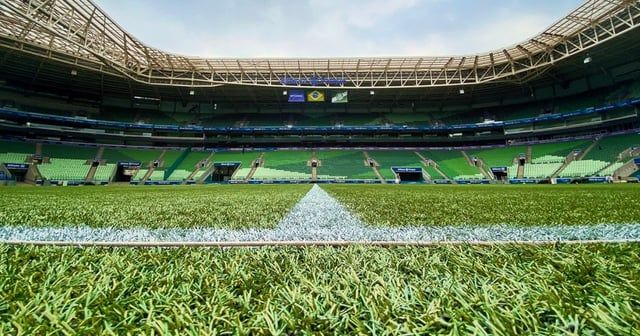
[
  {"x": 69, "y": 152},
  {"x": 145, "y": 156},
  {"x": 558, "y": 149},
  {"x": 609, "y": 148}
]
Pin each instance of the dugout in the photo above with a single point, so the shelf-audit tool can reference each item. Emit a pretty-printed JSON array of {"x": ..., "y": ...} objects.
[
  {"x": 223, "y": 171},
  {"x": 126, "y": 171},
  {"x": 408, "y": 174}
]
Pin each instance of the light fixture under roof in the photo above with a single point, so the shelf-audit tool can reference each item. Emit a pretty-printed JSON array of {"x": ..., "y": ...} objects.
[
  {"x": 372, "y": 92},
  {"x": 192, "y": 93},
  {"x": 587, "y": 60},
  {"x": 284, "y": 92},
  {"x": 461, "y": 91}
]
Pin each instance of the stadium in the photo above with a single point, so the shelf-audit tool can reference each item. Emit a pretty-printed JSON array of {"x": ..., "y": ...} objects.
[{"x": 147, "y": 192}]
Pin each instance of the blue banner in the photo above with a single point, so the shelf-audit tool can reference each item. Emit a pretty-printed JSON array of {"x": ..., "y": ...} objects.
[
  {"x": 296, "y": 96},
  {"x": 129, "y": 164},
  {"x": 313, "y": 81},
  {"x": 17, "y": 166},
  {"x": 637, "y": 161},
  {"x": 499, "y": 169},
  {"x": 226, "y": 164},
  {"x": 406, "y": 170}
]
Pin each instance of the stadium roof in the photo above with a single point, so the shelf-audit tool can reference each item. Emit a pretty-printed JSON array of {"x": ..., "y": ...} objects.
[{"x": 80, "y": 34}]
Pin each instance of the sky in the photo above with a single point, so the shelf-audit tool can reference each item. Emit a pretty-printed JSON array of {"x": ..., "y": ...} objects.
[{"x": 334, "y": 28}]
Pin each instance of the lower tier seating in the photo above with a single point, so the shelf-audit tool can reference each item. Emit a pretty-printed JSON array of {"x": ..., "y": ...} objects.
[
  {"x": 64, "y": 170},
  {"x": 611, "y": 169},
  {"x": 179, "y": 175},
  {"x": 541, "y": 170},
  {"x": 139, "y": 175},
  {"x": 157, "y": 175},
  {"x": 13, "y": 157},
  {"x": 583, "y": 168},
  {"x": 263, "y": 173},
  {"x": 549, "y": 159},
  {"x": 104, "y": 172}
]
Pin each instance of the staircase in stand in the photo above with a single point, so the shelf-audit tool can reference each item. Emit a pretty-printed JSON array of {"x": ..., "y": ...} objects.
[
  {"x": 479, "y": 165},
  {"x": 431, "y": 163},
  {"x": 586, "y": 151},
  {"x": 99, "y": 154},
  {"x": 626, "y": 170},
  {"x": 314, "y": 170},
  {"x": 254, "y": 168},
  {"x": 375, "y": 167},
  {"x": 570, "y": 158},
  {"x": 91, "y": 174}
]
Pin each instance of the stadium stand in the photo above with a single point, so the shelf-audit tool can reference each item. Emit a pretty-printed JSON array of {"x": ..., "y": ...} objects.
[
  {"x": 17, "y": 147},
  {"x": 156, "y": 175},
  {"x": 13, "y": 157},
  {"x": 263, "y": 173},
  {"x": 499, "y": 157},
  {"x": 145, "y": 156},
  {"x": 64, "y": 169},
  {"x": 611, "y": 169},
  {"x": 453, "y": 164},
  {"x": 389, "y": 159},
  {"x": 344, "y": 164},
  {"x": 541, "y": 170},
  {"x": 583, "y": 168},
  {"x": 609, "y": 148},
  {"x": 69, "y": 151},
  {"x": 561, "y": 149},
  {"x": 104, "y": 172},
  {"x": 548, "y": 159},
  {"x": 179, "y": 175},
  {"x": 433, "y": 173},
  {"x": 140, "y": 175},
  {"x": 284, "y": 164}
]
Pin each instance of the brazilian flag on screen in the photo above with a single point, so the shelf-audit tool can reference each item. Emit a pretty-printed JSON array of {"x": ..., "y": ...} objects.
[{"x": 315, "y": 96}]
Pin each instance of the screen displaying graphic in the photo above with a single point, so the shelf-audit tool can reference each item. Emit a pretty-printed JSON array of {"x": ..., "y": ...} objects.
[
  {"x": 315, "y": 96},
  {"x": 296, "y": 96},
  {"x": 341, "y": 97}
]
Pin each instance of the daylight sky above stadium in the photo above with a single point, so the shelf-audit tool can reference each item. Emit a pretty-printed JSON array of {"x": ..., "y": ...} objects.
[{"x": 332, "y": 28}]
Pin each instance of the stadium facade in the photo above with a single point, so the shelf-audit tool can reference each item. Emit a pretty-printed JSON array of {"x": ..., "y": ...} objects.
[{"x": 70, "y": 73}]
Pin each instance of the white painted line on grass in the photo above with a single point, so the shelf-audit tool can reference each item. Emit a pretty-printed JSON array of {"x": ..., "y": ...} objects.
[{"x": 317, "y": 220}]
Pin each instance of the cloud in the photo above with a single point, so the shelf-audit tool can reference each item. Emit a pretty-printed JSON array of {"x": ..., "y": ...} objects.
[{"x": 322, "y": 28}]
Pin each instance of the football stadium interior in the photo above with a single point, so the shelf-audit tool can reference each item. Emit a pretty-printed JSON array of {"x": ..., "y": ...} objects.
[{"x": 105, "y": 140}]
